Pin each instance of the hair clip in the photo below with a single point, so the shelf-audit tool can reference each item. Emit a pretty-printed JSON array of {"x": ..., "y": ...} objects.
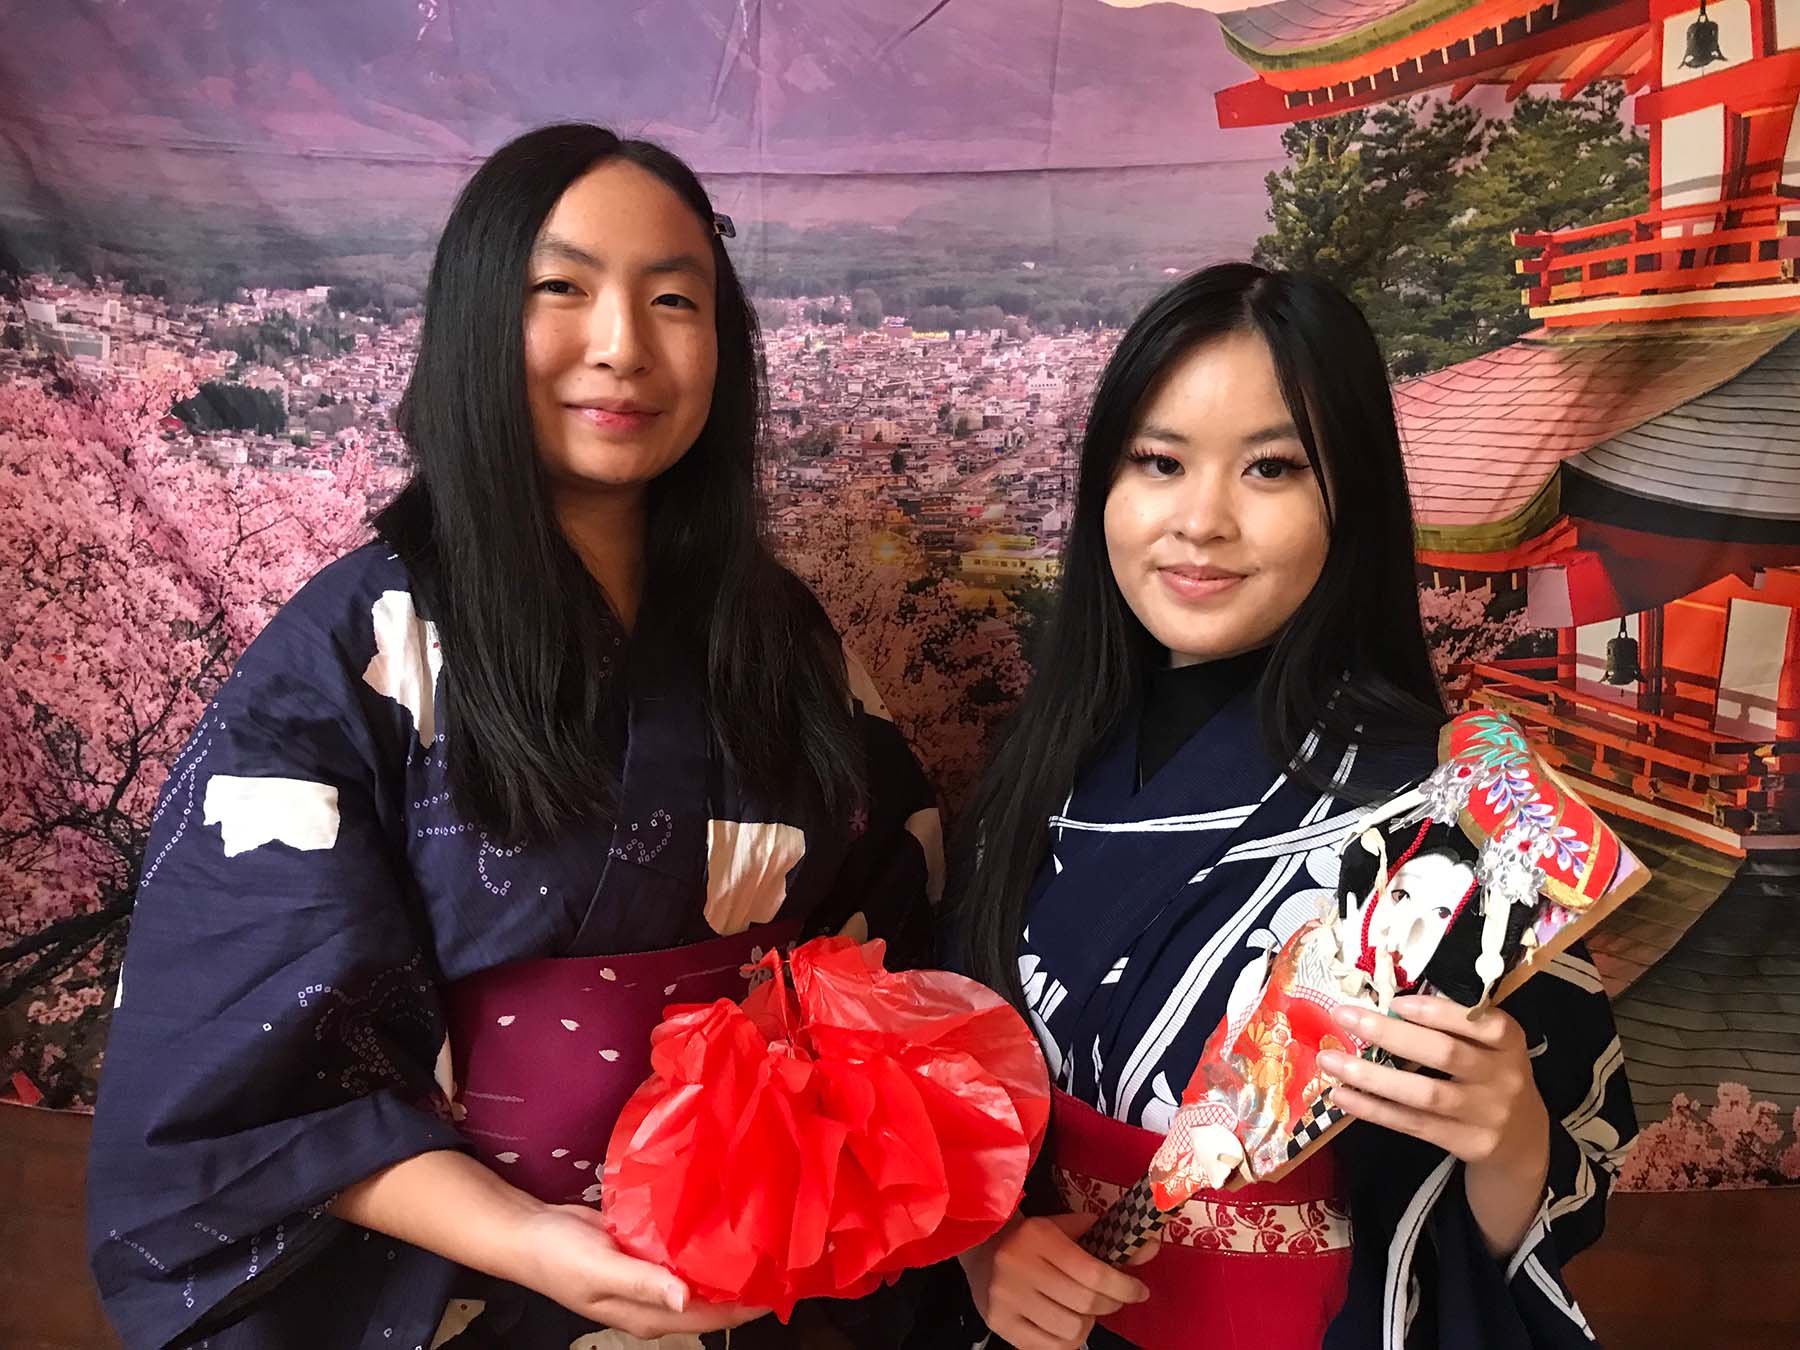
[{"x": 723, "y": 227}]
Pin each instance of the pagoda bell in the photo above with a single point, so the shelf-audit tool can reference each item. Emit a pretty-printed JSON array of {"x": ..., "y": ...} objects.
[
  {"x": 1622, "y": 660},
  {"x": 1702, "y": 43}
]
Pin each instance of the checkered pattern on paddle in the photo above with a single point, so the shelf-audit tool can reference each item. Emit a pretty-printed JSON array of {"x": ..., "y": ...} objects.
[
  {"x": 1131, "y": 1221},
  {"x": 1319, "y": 1119}
]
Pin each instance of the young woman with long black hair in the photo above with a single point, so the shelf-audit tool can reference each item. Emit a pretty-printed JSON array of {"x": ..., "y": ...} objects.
[
  {"x": 564, "y": 744},
  {"x": 1236, "y": 667}
]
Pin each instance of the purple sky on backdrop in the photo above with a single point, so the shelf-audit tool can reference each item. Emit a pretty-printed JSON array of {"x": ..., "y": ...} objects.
[{"x": 737, "y": 85}]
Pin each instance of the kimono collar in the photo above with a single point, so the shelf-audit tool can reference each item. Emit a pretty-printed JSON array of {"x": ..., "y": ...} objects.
[
  {"x": 1222, "y": 764},
  {"x": 1180, "y": 700}
]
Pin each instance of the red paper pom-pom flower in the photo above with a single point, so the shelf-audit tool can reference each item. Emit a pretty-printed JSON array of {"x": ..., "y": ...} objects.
[{"x": 823, "y": 1136}]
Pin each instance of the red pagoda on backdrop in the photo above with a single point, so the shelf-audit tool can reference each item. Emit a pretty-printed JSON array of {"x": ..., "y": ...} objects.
[
  {"x": 1635, "y": 463},
  {"x": 1632, "y": 466}
]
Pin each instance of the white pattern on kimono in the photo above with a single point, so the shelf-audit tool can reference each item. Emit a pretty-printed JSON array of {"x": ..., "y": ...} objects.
[
  {"x": 407, "y": 660},
  {"x": 618, "y": 1340},
  {"x": 1043, "y": 996},
  {"x": 1144, "y": 1061},
  {"x": 747, "y": 866},
  {"x": 251, "y": 812},
  {"x": 458, "y": 1314},
  {"x": 1160, "y": 1110},
  {"x": 863, "y": 689}
]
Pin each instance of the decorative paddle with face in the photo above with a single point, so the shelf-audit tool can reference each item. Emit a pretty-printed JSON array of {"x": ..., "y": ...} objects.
[{"x": 1459, "y": 887}]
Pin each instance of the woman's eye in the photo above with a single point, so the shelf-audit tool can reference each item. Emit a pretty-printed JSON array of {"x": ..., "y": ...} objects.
[
  {"x": 555, "y": 286},
  {"x": 1158, "y": 466},
  {"x": 1274, "y": 467},
  {"x": 674, "y": 301}
]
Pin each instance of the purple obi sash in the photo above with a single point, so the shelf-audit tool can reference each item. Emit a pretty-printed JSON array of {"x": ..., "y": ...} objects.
[{"x": 546, "y": 1053}]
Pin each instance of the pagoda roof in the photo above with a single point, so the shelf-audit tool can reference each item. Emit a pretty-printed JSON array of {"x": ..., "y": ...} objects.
[
  {"x": 1329, "y": 30},
  {"x": 1734, "y": 450},
  {"x": 1687, "y": 878},
  {"x": 1313, "y": 58},
  {"x": 1718, "y": 1008},
  {"x": 1484, "y": 439}
]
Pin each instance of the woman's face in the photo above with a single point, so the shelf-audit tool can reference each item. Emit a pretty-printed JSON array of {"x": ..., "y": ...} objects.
[
  {"x": 620, "y": 347},
  {"x": 1215, "y": 524}
]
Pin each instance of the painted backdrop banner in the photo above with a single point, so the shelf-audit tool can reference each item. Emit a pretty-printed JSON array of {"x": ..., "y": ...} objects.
[{"x": 216, "y": 218}]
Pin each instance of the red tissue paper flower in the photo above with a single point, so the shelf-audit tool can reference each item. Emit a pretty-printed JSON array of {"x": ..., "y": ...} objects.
[{"x": 826, "y": 1134}]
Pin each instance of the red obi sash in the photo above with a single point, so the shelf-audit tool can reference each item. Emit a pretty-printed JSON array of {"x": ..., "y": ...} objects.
[
  {"x": 1260, "y": 1268},
  {"x": 545, "y": 1053}
]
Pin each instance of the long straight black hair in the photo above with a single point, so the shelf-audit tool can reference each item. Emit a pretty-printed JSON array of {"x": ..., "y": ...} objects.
[
  {"x": 1351, "y": 663},
  {"x": 530, "y": 641}
]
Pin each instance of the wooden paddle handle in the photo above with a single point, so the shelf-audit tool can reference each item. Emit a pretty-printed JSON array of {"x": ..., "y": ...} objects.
[{"x": 1131, "y": 1221}]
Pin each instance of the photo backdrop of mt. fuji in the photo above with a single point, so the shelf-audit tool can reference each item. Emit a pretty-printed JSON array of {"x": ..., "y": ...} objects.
[
  {"x": 324, "y": 141},
  {"x": 216, "y": 219}
]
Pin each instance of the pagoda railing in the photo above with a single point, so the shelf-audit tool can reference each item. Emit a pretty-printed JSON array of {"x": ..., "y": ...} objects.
[
  {"x": 1742, "y": 784},
  {"x": 1747, "y": 241}
]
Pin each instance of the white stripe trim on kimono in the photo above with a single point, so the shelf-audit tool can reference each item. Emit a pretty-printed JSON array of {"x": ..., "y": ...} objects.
[
  {"x": 1320, "y": 834},
  {"x": 1584, "y": 1191},
  {"x": 1609, "y": 1062},
  {"x": 1396, "y": 1311},
  {"x": 1222, "y": 819},
  {"x": 1539, "y": 1230},
  {"x": 1596, "y": 1140},
  {"x": 1055, "y": 858},
  {"x": 1201, "y": 971},
  {"x": 1554, "y": 1293},
  {"x": 1304, "y": 838},
  {"x": 1188, "y": 824},
  {"x": 1149, "y": 1051}
]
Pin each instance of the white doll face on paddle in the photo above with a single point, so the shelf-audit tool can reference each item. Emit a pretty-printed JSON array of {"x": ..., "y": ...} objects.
[
  {"x": 1422, "y": 899},
  {"x": 1215, "y": 524}
]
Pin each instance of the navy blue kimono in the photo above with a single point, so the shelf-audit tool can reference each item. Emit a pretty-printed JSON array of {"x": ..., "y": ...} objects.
[
  {"x": 308, "y": 893},
  {"x": 1156, "y": 897}
]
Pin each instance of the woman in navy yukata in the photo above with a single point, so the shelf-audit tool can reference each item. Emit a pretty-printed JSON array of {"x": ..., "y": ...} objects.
[
  {"x": 1235, "y": 668},
  {"x": 562, "y": 746}
]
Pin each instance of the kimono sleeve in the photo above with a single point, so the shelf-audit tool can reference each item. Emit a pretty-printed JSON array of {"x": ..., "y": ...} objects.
[
  {"x": 278, "y": 1022},
  {"x": 892, "y": 877},
  {"x": 1422, "y": 1275},
  {"x": 1579, "y": 1067}
]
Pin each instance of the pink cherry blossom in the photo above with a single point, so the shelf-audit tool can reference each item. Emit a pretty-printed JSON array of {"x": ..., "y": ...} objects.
[
  {"x": 946, "y": 668},
  {"x": 1734, "y": 1143},
  {"x": 1461, "y": 629},
  {"x": 134, "y": 577}
]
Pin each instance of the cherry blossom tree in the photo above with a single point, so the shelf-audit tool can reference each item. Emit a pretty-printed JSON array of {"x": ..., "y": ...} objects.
[
  {"x": 134, "y": 576},
  {"x": 1462, "y": 629},
  {"x": 946, "y": 662},
  {"x": 1734, "y": 1143}
]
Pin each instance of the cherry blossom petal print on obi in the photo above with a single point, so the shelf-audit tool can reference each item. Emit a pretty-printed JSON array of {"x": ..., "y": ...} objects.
[{"x": 544, "y": 1054}]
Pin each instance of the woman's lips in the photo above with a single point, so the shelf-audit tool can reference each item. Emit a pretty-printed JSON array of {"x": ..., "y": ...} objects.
[
  {"x": 1191, "y": 584},
  {"x": 624, "y": 418}
]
